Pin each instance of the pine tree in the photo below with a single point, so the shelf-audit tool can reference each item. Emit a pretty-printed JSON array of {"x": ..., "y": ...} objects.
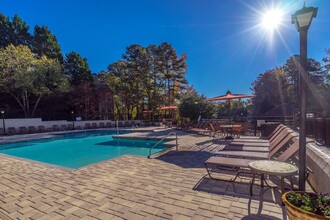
[{"x": 45, "y": 43}]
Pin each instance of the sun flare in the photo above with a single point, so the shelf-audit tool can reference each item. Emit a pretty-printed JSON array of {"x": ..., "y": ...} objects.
[{"x": 272, "y": 19}]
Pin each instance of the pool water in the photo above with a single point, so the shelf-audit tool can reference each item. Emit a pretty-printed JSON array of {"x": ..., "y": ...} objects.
[{"x": 76, "y": 150}]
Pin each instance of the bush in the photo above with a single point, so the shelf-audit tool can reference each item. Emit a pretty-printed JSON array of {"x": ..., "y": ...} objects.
[{"x": 315, "y": 203}]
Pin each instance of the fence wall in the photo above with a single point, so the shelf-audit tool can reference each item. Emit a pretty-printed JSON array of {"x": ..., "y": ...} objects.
[
  {"x": 26, "y": 122},
  {"x": 319, "y": 129}
]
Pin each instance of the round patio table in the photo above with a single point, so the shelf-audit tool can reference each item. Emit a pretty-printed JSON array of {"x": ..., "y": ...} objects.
[
  {"x": 227, "y": 129},
  {"x": 271, "y": 167}
]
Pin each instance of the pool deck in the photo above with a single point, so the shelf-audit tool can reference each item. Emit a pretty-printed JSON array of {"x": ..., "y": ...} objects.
[{"x": 171, "y": 186}]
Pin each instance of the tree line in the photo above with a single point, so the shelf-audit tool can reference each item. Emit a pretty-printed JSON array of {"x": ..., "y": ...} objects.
[
  {"x": 280, "y": 86},
  {"x": 36, "y": 75},
  {"x": 38, "y": 79},
  {"x": 146, "y": 78}
]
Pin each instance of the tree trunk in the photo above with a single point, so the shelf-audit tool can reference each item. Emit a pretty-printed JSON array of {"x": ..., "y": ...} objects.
[
  {"x": 35, "y": 105},
  {"x": 19, "y": 103}
]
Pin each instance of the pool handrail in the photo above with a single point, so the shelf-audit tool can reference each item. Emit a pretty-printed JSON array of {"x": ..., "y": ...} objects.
[{"x": 171, "y": 133}]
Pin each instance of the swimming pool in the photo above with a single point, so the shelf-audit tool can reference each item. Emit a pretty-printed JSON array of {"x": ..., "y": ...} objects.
[{"x": 75, "y": 150}]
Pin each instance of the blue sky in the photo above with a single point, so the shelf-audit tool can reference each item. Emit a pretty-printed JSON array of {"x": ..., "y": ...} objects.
[{"x": 227, "y": 49}]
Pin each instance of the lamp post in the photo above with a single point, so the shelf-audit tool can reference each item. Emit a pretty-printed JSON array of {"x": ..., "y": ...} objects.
[
  {"x": 197, "y": 104},
  {"x": 303, "y": 19},
  {"x": 3, "y": 121},
  {"x": 72, "y": 115}
]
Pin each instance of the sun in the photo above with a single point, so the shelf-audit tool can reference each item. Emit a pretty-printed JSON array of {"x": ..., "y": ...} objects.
[{"x": 271, "y": 20}]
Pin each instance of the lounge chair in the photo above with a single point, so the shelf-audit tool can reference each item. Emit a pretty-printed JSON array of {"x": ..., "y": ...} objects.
[
  {"x": 270, "y": 137},
  {"x": 204, "y": 129},
  {"x": 41, "y": 128},
  {"x": 265, "y": 147},
  {"x": 32, "y": 129},
  {"x": 70, "y": 126},
  {"x": 12, "y": 131},
  {"x": 200, "y": 125},
  {"x": 101, "y": 125},
  {"x": 260, "y": 155},
  {"x": 64, "y": 127},
  {"x": 87, "y": 126},
  {"x": 56, "y": 128},
  {"x": 120, "y": 124},
  {"x": 94, "y": 125},
  {"x": 78, "y": 127},
  {"x": 108, "y": 125},
  {"x": 242, "y": 165},
  {"x": 1, "y": 131},
  {"x": 23, "y": 130}
]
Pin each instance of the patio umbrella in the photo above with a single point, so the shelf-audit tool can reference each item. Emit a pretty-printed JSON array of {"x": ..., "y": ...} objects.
[
  {"x": 229, "y": 96},
  {"x": 168, "y": 108},
  {"x": 146, "y": 112},
  {"x": 171, "y": 107}
]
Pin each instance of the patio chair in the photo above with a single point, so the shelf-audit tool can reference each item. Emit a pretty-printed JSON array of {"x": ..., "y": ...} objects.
[
  {"x": 200, "y": 125},
  {"x": 259, "y": 146},
  {"x": 270, "y": 137},
  {"x": 120, "y": 124},
  {"x": 64, "y": 127},
  {"x": 259, "y": 155},
  {"x": 216, "y": 130},
  {"x": 12, "y": 131},
  {"x": 87, "y": 126},
  {"x": 56, "y": 128},
  {"x": 108, "y": 125},
  {"x": 205, "y": 130},
  {"x": 242, "y": 165},
  {"x": 101, "y": 125},
  {"x": 94, "y": 125},
  {"x": 41, "y": 128},
  {"x": 22, "y": 130},
  {"x": 245, "y": 128},
  {"x": 1, "y": 131},
  {"x": 236, "y": 130},
  {"x": 70, "y": 126},
  {"x": 32, "y": 129}
]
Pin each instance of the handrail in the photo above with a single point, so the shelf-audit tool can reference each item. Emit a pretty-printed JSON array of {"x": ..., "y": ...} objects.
[{"x": 171, "y": 133}]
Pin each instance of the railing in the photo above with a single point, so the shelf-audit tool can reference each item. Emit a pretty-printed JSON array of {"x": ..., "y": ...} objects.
[
  {"x": 319, "y": 129},
  {"x": 169, "y": 134}
]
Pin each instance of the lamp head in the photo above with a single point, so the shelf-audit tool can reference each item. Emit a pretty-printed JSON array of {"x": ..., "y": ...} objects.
[
  {"x": 2, "y": 112},
  {"x": 72, "y": 112},
  {"x": 303, "y": 18}
]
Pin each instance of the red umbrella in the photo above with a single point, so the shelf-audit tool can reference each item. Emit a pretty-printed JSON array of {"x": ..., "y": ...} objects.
[
  {"x": 230, "y": 96},
  {"x": 146, "y": 112},
  {"x": 171, "y": 107}
]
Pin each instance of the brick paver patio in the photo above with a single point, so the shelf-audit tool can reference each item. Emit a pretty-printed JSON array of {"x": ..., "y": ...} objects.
[{"x": 171, "y": 186}]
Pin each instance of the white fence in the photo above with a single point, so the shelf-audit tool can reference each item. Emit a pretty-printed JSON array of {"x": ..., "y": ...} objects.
[{"x": 26, "y": 122}]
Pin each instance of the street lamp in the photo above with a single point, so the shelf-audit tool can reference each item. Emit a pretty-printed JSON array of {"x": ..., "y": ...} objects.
[
  {"x": 72, "y": 115},
  {"x": 3, "y": 121},
  {"x": 198, "y": 105},
  {"x": 303, "y": 19}
]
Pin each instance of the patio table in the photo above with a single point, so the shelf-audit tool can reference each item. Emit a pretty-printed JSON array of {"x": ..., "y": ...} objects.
[
  {"x": 227, "y": 129},
  {"x": 270, "y": 167}
]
